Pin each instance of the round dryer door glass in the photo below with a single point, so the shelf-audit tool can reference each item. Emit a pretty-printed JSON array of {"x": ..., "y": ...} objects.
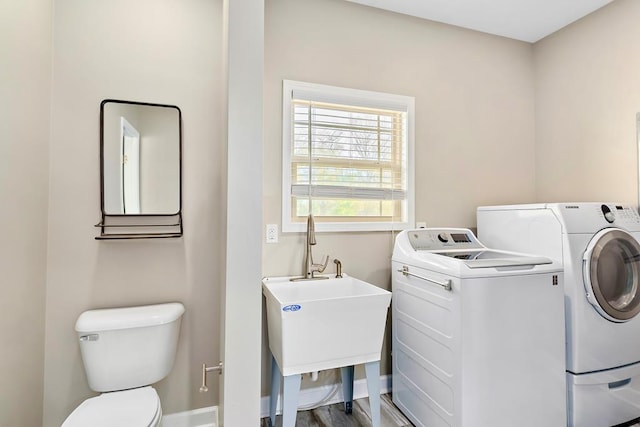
[{"x": 612, "y": 274}]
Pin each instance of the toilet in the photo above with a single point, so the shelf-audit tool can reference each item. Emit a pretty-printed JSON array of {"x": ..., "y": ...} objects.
[{"x": 124, "y": 351}]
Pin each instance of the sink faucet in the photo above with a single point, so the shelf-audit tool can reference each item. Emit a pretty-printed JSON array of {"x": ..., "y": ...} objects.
[{"x": 311, "y": 268}]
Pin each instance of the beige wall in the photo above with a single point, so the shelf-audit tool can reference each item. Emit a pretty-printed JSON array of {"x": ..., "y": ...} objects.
[
  {"x": 474, "y": 117},
  {"x": 25, "y": 75},
  {"x": 159, "y": 51},
  {"x": 587, "y": 96}
]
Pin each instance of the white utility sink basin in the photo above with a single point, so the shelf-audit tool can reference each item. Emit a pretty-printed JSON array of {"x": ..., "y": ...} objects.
[{"x": 326, "y": 323}]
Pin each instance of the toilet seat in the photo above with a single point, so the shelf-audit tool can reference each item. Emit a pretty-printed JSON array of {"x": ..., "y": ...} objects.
[{"x": 138, "y": 407}]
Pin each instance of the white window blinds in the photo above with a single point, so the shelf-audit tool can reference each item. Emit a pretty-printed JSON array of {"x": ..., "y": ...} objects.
[{"x": 347, "y": 157}]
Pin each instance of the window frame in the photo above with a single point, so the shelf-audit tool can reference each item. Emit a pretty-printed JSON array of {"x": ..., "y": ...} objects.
[{"x": 351, "y": 97}]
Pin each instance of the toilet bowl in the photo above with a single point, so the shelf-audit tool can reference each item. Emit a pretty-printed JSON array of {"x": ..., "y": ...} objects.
[
  {"x": 139, "y": 407},
  {"x": 124, "y": 351}
]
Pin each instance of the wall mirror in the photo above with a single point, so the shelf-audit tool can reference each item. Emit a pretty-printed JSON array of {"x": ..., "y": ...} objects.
[{"x": 140, "y": 164}]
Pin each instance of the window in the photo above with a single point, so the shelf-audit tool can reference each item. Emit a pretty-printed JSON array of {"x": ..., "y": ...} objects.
[{"x": 346, "y": 158}]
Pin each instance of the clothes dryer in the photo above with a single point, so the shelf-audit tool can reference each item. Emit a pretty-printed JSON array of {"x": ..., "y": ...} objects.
[
  {"x": 477, "y": 334},
  {"x": 597, "y": 244}
]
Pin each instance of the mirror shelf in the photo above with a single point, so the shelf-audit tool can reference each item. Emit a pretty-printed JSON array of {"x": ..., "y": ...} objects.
[
  {"x": 140, "y": 227},
  {"x": 140, "y": 170}
]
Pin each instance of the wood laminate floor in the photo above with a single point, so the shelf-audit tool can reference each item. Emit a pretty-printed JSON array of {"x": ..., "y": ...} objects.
[{"x": 334, "y": 416}]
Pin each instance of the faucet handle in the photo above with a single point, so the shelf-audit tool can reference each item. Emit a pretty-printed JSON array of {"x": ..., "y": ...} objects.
[{"x": 321, "y": 267}]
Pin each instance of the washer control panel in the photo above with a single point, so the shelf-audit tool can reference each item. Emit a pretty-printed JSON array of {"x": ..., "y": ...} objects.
[{"x": 434, "y": 239}]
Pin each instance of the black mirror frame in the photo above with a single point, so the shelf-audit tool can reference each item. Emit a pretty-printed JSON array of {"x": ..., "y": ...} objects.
[{"x": 139, "y": 226}]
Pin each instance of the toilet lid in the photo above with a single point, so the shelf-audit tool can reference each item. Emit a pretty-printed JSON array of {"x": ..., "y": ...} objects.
[{"x": 130, "y": 408}]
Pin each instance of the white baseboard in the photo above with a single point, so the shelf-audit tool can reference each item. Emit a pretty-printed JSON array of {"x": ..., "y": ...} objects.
[
  {"x": 208, "y": 417},
  {"x": 203, "y": 417}
]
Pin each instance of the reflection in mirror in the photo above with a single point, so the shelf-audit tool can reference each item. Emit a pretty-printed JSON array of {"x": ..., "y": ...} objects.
[
  {"x": 140, "y": 158},
  {"x": 130, "y": 162}
]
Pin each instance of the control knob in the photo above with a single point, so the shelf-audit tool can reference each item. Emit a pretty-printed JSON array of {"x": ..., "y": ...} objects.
[
  {"x": 608, "y": 215},
  {"x": 443, "y": 237}
]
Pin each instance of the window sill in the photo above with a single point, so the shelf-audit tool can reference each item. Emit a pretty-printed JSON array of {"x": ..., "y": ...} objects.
[{"x": 321, "y": 227}]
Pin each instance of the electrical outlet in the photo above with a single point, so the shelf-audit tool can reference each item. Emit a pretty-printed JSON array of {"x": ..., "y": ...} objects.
[
  {"x": 272, "y": 233},
  {"x": 420, "y": 224}
]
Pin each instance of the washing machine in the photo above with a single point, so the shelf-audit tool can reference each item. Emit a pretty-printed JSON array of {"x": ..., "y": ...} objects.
[
  {"x": 477, "y": 334},
  {"x": 597, "y": 244}
]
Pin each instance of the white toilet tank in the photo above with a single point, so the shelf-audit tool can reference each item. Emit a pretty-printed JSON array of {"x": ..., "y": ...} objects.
[{"x": 129, "y": 347}]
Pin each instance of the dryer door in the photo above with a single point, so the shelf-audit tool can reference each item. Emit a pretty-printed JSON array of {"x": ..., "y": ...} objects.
[{"x": 611, "y": 267}]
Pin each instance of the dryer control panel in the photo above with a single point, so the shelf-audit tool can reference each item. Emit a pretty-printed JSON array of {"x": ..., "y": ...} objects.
[
  {"x": 434, "y": 239},
  {"x": 622, "y": 214}
]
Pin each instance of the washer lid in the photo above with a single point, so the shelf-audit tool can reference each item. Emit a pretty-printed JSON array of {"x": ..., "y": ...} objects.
[
  {"x": 130, "y": 408},
  {"x": 487, "y": 258},
  {"x": 611, "y": 267}
]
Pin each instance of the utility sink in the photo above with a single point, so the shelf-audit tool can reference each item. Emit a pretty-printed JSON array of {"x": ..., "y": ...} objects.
[{"x": 324, "y": 323}]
